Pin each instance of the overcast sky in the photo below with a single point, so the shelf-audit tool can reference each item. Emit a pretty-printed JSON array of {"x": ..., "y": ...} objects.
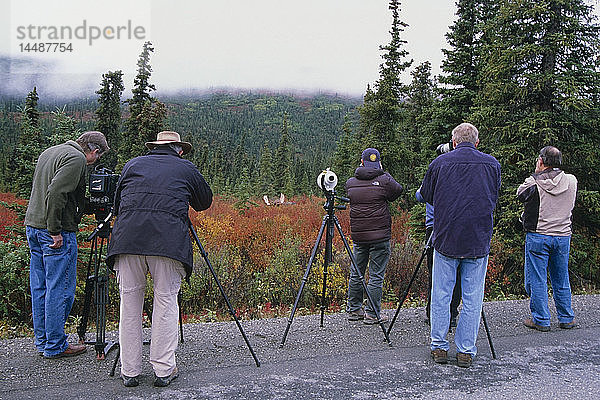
[{"x": 305, "y": 45}]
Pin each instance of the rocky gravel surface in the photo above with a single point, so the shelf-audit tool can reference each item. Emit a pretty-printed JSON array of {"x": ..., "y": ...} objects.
[{"x": 340, "y": 360}]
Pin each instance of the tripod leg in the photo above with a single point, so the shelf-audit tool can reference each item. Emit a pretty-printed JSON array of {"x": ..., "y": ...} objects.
[
  {"x": 362, "y": 278},
  {"x": 304, "y": 280},
  {"x": 180, "y": 317},
  {"x": 487, "y": 331},
  {"x": 114, "y": 367},
  {"x": 412, "y": 279},
  {"x": 231, "y": 310},
  {"x": 89, "y": 291},
  {"x": 326, "y": 261}
]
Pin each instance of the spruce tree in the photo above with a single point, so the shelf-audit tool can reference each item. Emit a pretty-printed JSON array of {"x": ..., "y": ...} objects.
[
  {"x": 265, "y": 172},
  {"x": 31, "y": 143},
  {"x": 146, "y": 114},
  {"x": 108, "y": 114},
  {"x": 383, "y": 112},
  {"x": 539, "y": 85},
  {"x": 282, "y": 167},
  {"x": 64, "y": 129},
  {"x": 382, "y": 109}
]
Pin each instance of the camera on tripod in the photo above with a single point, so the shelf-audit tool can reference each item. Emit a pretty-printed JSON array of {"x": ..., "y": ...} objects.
[
  {"x": 102, "y": 187},
  {"x": 327, "y": 180}
]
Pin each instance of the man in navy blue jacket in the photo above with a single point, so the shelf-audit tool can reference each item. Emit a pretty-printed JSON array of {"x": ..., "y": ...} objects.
[
  {"x": 463, "y": 187},
  {"x": 151, "y": 233}
]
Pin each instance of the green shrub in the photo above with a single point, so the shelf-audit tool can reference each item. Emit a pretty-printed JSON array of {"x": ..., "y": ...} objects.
[{"x": 15, "y": 300}]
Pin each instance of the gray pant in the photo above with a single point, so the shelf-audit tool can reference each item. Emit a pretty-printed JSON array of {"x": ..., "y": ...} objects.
[{"x": 377, "y": 256}]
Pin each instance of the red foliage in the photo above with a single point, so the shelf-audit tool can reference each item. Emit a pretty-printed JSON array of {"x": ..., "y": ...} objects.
[
  {"x": 257, "y": 232},
  {"x": 8, "y": 217}
]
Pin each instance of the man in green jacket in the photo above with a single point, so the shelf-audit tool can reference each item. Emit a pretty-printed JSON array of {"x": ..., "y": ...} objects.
[{"x": 53, "y": 214}]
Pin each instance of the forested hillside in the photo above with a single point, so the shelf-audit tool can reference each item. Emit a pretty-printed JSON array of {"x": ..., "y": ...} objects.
[{"x": 230, "y": 132}]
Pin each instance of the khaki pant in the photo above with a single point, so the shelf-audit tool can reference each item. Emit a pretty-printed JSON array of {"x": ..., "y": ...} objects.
[{"x": 131, "y": 276}]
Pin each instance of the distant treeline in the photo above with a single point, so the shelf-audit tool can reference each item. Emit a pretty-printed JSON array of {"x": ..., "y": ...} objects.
[{"x": 230, "y": 133}]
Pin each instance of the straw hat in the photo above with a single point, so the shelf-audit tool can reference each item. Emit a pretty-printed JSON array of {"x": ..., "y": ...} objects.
[{"x": 170, "y": 137}]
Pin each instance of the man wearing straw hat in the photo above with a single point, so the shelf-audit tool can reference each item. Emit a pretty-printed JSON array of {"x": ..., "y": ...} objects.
[{"x": 151, "y": 233}]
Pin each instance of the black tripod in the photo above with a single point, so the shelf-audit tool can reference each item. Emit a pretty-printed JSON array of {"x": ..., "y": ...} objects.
[
  {"x": 412, "y": 279},
  {"x": 329, "y": 221},
  {"x": 97, "y": 284},
  {"x": 231, "y": 310}
]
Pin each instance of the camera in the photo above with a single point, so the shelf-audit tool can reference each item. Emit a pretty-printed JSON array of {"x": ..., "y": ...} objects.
[
  {"x": 444, "y": 148},
  {"x": 327, "y": 180},
  {"x": 102, "y": 187}
]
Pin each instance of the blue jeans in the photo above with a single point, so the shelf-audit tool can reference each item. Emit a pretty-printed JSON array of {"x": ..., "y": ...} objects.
[
  {"x": 52, "y": 281},
  {"x": 472, "y": 280},
  {"x": 548, "y": 254},
  {"x": 379, "y": 255}
]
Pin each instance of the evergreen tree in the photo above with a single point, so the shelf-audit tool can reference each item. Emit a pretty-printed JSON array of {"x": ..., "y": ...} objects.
[
  {"x": 540, "y": 83},
  {"x": 282, "y": 167},
  {"x": 265, "y": 172},
  {"x": 31, "y": 143},
  {"x": 461, "y": 64},
  {"x": 65, "y": 127},
  {"x": 146, "y": 114},
  {"x": 108, "y": 114},
  {"x": 383, "y": 112},
  {"x": 420, "y": 135}
]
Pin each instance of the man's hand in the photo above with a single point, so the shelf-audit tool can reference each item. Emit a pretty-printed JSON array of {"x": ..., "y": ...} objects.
[{"x": 58, "y": 241}]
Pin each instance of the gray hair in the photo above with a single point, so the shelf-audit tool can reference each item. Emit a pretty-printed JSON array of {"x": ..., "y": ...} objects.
[
  {"x": 465, "y": 132},
  {"x": 551, "y": 156},
  {"x": 177, "y": 148},
  {"x": 92, "y": 140}
]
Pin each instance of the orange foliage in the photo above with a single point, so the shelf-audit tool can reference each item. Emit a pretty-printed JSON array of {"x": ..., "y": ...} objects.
[{"x": 257, "y": 232}]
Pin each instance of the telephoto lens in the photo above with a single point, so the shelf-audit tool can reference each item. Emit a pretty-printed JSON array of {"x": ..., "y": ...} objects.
[
  {"x": 443, "y": 148},
  {"x": 327, "y": 180}
]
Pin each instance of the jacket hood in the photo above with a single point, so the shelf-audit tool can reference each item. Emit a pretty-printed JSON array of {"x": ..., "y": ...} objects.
[
  {"x": 367, "y": 173},
  {"x": 552, "y": 181}
]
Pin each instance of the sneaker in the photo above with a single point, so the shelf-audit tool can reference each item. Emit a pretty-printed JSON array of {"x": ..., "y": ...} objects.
[
  {"x": 439, "y": 356},
  {"x": 166, "y": 381},
  {"x": 464, "y": 360},
  {"x": 356, "y": 315},
  {"x": 372, "y": 320},
  {"x": 567, "y": 325},
  {"x": 532, "y": 325},
  {"x": 71, "y": 350},
  {"x": 130, "y": 381}
]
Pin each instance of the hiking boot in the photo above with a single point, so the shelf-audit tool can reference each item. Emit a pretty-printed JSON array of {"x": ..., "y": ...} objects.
[
  {"x": 372, "y": 320},
  {"x": 130, "y": 381},
  {"x": 532, "y": 325},
  {"x": 464, "y": 360},
  {"x": 356, "y": 315},
  {"x": 166, "y": 381},
  {"x": 567, "y": 325},
  {"x": 70, "y": 351},
  {"x": 440, "y": 356}
]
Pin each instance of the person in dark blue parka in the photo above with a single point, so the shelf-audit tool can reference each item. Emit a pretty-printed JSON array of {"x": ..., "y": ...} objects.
[{"x": 151, "y": 233}]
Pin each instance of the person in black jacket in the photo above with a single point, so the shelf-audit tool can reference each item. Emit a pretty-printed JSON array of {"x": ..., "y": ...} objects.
[
  {"x": 370, "y": 191},
  {"x": 151, "y": 233}
]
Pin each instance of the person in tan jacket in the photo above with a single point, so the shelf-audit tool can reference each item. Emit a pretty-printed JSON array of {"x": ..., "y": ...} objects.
[{"x": 549, "y": 197}]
